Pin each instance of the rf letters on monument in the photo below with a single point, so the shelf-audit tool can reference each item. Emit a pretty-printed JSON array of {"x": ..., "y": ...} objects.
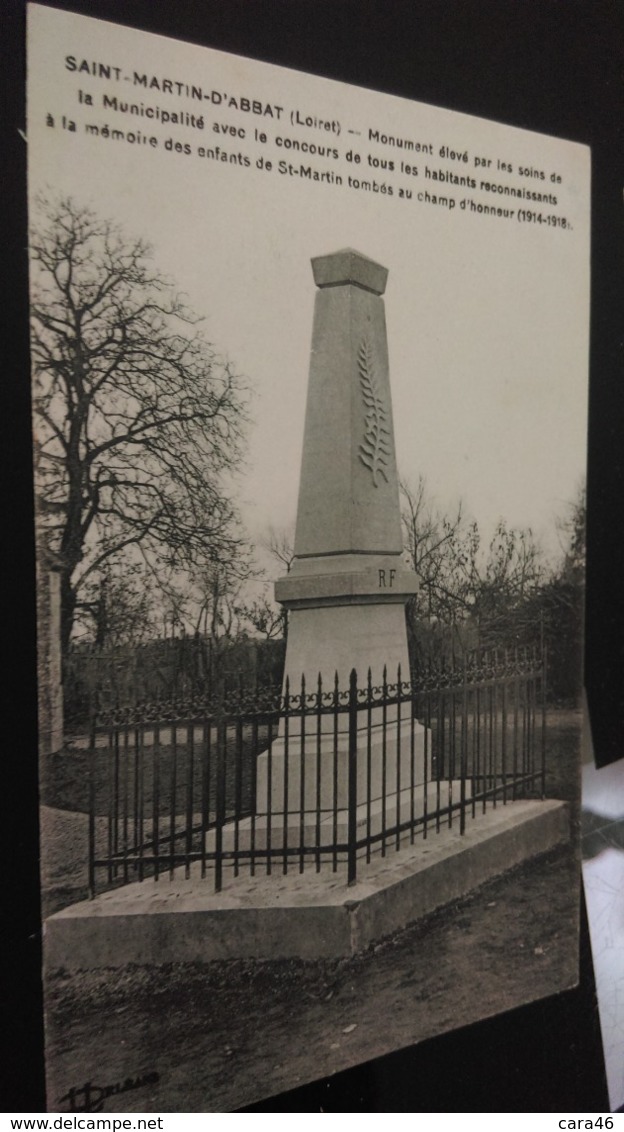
[{"x": 310, "y": 378}]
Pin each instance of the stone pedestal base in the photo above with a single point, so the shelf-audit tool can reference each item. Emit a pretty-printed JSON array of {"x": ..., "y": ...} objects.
[
  {"x": 313, "y": 776},
  {"x": 309, "y": 915},
  {"x": 334, "y": 639},
  {"x": 309, "y": 830}
]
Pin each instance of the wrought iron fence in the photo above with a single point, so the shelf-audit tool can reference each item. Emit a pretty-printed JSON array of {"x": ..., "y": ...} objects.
[
  {"x": 165, "y": 670},
  {"x": 321, "y": 777}
]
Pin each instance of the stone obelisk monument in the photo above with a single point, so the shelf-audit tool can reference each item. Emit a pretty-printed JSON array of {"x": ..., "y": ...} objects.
[{"x": 347, "y": 588}]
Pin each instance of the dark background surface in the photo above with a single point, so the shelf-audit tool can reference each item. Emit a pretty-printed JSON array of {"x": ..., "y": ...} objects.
[{"x": 555, "y": 66}]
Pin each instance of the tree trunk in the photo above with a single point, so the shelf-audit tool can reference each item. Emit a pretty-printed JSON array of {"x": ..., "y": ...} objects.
[{"x": 68, "y": 609}]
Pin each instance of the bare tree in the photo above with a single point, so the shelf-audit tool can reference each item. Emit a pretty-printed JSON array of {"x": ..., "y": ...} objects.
[
  {"x": 138, "y": 419},
  {"x": 470, "y": 592},
  {"x": 506, "y": 582},
  {"x": 266, "y": 618},
  {"x": 265, "y": 615},
  {"x": 440, "y": 548},
  {"x": 571, "y": 528},
  {"x": 117, "y": 608},
  {"x": 218, "y": 597},
  {"x": 561, "y": 605},
  {"x": 280, "y": 545}
]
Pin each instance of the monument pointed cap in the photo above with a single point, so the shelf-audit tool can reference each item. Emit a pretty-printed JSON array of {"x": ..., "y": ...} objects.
[{"x": 349, "y": 267}]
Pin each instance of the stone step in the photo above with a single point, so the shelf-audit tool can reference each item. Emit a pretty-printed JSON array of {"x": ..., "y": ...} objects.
[
  {"x": 394, "y": 757},
  {"x": 304, "y": 828}
]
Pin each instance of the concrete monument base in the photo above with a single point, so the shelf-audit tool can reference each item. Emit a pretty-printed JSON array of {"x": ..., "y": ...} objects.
[
  {"x": 310, "y": 915},
  {"x": 314, "y": 775},
  {"x": 311, "y": 830},
  {"x": 333, "y": 639}
]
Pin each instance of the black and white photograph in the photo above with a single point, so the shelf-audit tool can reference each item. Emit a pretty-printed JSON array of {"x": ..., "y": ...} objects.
[{"x": 310, "y": 384}]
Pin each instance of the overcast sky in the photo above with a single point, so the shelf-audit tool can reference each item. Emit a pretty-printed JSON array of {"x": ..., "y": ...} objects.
[{"x": 487, "y": 318}]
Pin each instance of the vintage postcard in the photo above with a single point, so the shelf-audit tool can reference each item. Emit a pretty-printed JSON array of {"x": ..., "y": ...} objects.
[{"x": 310, "y": 387}]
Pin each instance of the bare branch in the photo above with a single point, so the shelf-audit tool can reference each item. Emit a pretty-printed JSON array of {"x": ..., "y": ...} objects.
[{"x": 138, "y": 417}]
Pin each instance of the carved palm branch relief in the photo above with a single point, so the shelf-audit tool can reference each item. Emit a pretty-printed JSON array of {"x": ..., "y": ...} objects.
[{"x": 375, "y": 447}]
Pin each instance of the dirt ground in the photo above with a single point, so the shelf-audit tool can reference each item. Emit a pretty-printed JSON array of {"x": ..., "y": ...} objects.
[{"x": 223, "y": 1035}]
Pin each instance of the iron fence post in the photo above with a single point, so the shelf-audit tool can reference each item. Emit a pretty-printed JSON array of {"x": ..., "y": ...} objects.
[
  {"x": 302, "y": 775},
  {"x": 463, "y": 751},
  {"x": 253, "y": 788},
  {"x": 317, "y": 775},
  {"x": 285, "y": 799},
  {"x": 352, "y": 782},
  {"x": 369, "y": 761},
  {"x": 190, "y": 786},
  {"x": 384, "y": 754},
  {"x": 220, "y": 803},
  {"x": 544, "y": 667},
  {"x": 335, "y": 714},
  {"x": 398, "y": 762},
  {"x": 139, "y": 744},
  {"x": 156, "y": 801},
  {"x": 91, "y": 865}
]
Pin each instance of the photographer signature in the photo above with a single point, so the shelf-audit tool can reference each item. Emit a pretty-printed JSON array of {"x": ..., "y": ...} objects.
[{"x": 90, "y": 1097}]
